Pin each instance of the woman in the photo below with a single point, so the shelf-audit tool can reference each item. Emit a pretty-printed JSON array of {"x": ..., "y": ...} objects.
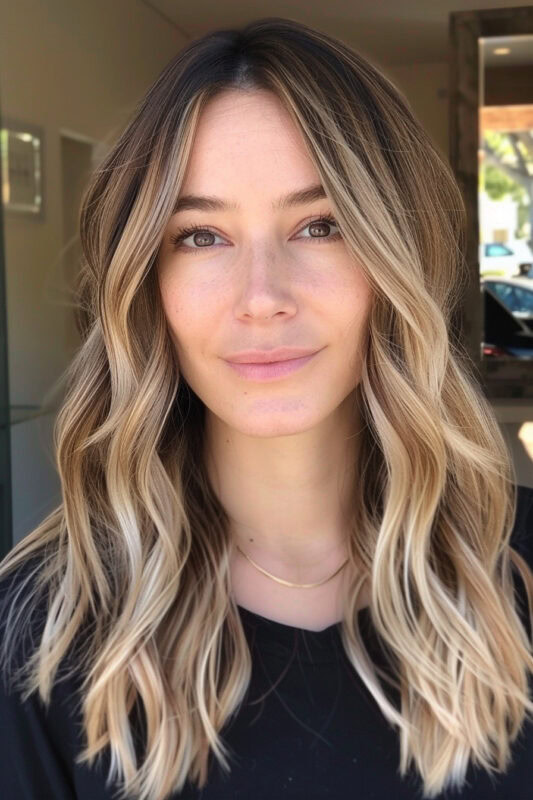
[{"x": 282, "y": 565}]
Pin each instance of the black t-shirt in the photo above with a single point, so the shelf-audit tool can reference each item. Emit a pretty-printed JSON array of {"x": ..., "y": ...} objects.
[{"x": 308, "y": 729}]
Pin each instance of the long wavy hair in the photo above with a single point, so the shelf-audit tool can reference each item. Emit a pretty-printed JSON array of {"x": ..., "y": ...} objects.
[{"x": 137, "y": 554}]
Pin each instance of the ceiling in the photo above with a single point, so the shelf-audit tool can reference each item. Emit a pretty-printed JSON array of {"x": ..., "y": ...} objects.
[
  {"x": 392, "y": 32},
  {"x": 521, "y": 51}
]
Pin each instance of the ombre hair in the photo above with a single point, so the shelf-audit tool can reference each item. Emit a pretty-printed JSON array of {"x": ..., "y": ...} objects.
[{"x": 137, "y": 554}]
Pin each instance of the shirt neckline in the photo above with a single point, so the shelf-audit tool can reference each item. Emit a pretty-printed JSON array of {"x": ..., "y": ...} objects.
[{"x": 281, "y": 639}]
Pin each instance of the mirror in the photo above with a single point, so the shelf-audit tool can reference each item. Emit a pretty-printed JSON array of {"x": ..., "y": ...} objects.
[
  {"x": 505, "y": 195},
  {"x": 491, "y": 152}
]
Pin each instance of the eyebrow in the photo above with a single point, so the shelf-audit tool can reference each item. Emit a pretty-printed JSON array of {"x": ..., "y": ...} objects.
[{"x": 191, "y": 202}]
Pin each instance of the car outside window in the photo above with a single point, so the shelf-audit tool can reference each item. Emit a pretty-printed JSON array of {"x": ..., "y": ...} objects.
[{"x": 497, "y": 250}]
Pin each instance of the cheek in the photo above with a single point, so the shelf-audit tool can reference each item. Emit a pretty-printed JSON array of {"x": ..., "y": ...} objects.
[
  {"x": 353, "y": 301},
  {"x": 188, "y": 307},
  {"x": 352, "y": 320}
]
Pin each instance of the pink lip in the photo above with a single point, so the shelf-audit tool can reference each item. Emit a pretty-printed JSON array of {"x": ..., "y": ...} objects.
[
  {"x": 273, "y": 369},
  {"x": 268, "y": 356}
]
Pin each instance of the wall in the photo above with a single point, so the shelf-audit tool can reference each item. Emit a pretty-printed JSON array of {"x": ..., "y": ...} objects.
[
  {"x": 78, "y": 69},
  {"x": 425, "y": 86}
]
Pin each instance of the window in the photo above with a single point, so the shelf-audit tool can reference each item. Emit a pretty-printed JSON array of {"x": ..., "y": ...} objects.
[
  {"x": 515, "y": 298},
  {"x": 497, "y": 249}
]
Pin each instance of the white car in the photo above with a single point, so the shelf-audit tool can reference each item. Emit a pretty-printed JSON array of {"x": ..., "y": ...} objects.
[{"x": 507, "y": 260}]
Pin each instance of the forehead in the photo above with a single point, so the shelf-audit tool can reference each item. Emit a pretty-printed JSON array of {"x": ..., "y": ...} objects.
[{"x": 247, "y": 136}]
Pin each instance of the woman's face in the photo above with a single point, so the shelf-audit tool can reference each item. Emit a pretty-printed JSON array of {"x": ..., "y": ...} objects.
[{"x": 259, "y": 274}]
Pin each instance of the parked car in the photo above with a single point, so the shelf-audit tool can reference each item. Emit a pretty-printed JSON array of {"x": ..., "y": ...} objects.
[
  {"x": 504, "y": 335},
  {"x": 506, "y": 260},
  {"x": 516, "y": 294}
]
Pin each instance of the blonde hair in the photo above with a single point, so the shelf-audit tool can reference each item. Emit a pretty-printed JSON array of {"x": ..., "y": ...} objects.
[{"x": 137, "y": 554}]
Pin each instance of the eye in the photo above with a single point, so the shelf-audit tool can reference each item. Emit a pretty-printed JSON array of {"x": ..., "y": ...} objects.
[
  {"x": 321, "y": 228},
  {"x": 202, "y": 238}
]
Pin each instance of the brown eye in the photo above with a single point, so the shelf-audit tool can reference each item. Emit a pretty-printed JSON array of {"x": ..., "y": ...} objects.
[
  {"x": 203, "y": 238},
  {"x": 319, "y": 228},
  {"x": 200, "y": 238}
]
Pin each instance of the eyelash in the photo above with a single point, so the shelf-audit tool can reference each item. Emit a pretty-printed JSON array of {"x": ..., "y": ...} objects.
[{"x": 183, "y": 233}]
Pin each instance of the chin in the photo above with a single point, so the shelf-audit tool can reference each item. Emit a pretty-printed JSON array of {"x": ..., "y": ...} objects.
[{"x": 275, "y": 423}]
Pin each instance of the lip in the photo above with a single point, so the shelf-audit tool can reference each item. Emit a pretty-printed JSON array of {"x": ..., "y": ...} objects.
[
  {"x": 270, "y": 370},
  {"x": 268, "y": 356}
]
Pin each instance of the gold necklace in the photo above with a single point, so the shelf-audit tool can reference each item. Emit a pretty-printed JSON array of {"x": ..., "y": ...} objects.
[{"x": 288, "y": 583}]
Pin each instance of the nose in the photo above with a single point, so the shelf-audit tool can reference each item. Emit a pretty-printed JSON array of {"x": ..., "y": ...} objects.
[{"x": 265, "y": 287}]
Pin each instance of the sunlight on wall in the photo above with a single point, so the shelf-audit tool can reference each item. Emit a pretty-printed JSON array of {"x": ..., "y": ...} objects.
[{"x": 526, "y": 437}]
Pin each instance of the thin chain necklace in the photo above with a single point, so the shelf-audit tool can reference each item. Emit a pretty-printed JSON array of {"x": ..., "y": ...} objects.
[{"x": 288, "y": 583}]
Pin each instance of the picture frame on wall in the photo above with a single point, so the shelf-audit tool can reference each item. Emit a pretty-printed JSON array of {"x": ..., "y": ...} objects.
[{"x": 21, "y": 152}]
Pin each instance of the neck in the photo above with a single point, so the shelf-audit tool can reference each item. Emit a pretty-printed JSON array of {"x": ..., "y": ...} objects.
[{"x": 288, "y": 498}]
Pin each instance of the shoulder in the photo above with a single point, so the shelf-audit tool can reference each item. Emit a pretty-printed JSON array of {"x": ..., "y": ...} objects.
[
  {"x": 18, "y": 577},
  {"x": 23, "y": 615},
  {"x": 522, "y": 542},
  {"x": 39, "y": 739},
  {"x": 23, "y": 609},
  {"x": 20, "y": 590},
  {"x": 522, "y": 534}
]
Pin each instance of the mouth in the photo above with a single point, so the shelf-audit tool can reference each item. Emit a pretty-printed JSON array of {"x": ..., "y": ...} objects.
[{"x": 272, "y": 369}]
